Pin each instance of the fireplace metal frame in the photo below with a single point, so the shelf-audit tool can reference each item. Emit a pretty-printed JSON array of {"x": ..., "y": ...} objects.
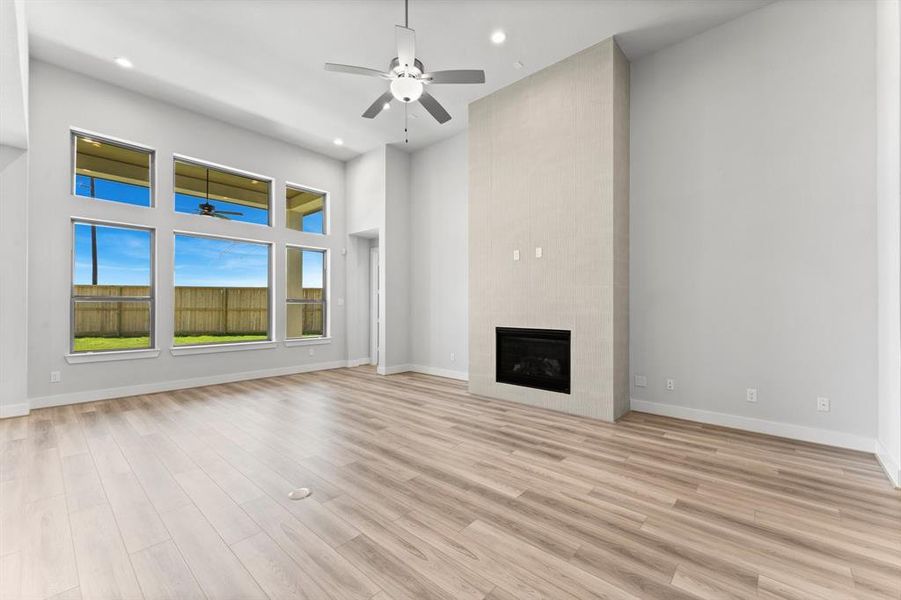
[{"x": 540, "y": 383}]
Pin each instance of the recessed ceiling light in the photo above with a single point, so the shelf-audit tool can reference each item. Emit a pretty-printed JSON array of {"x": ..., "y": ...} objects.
[
  {"x": 339, "y": 142},
  {"x": 123, "y": 62},
  {"x": 386, "y": 106},
  {"x": 498, "y": 37}
]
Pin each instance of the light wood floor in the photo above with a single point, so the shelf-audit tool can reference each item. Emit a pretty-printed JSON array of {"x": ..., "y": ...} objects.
[{"x": 423, "y": 491}]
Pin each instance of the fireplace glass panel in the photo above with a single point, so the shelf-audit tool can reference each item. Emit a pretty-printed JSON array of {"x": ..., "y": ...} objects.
[{"x": 536, "y": 358}]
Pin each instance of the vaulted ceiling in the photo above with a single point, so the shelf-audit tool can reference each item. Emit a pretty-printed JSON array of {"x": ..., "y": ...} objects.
[{"x": 259, "y": 63}]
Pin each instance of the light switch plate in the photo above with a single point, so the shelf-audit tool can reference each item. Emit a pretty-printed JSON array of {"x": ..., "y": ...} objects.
[{"x": 641, "y": 381}]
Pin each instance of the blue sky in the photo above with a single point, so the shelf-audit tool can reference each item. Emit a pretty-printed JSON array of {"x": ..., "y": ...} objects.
[
  {"x": 123, "y": 255},
  {"x": 201, "y": 261},
  {"x": 112, "y": 190}
]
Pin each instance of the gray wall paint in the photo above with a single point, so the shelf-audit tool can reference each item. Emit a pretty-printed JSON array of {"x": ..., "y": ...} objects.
[
  {"x": 365, "y": 182},
  {"x": 61, "y": 99},
  {"x": 543, "y": 164},
  {"x": 440, "y": 257},
  {"x": 888, "y": 197},
  {"x": 394, "y": 256},
  {"x": 14, "y": 202},
  {"x": 753, "y": 256}
]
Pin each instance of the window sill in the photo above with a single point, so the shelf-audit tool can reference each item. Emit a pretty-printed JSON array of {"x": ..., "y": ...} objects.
[
  {"x": 213, "y": 348},
  {"x": 308, "y": 341},
  {"x": 110, "y": 355}
]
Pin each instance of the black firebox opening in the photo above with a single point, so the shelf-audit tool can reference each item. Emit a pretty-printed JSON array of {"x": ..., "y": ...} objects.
[{"x": 536, "y": 358}]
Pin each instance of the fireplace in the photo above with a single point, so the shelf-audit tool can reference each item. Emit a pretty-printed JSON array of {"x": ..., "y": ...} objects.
[{"x": 536, "y": 358}]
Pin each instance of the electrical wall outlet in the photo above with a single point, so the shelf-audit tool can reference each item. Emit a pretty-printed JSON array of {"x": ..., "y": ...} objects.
[
  {"x": 751, "y": 394},
  {"x": 538, "y": 252},
  {"x": 311, "y": 352},
  {"x": 670, "y": 384},
  {"x": 641, "y": 381},
  {"x": 453, "y": 357},
  {"x": 55, "y": 377},
  {"x": 823, "y": 404},
  {"x": 516, "y": 255}
]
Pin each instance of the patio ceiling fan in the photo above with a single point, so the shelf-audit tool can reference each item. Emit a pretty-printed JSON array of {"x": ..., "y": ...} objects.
[
  {"x": 207, "y": 209},
  {"x": 408, "y": 76}
]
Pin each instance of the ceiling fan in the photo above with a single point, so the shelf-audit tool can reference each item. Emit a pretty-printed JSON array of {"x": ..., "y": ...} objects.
[
  {"x": 207, "y": 209},
  {"x": 408, "y": 76}
]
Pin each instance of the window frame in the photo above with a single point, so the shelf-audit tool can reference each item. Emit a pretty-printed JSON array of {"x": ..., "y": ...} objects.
[
  {"x": 326, "y": 287},
  {"x": 270, "y": 295},
  {"x": 74, "y": 299},
  {"x": 326, "y": 204},
  {"x": 270, "y": 210},
  {"x": 75, "y": 132}
]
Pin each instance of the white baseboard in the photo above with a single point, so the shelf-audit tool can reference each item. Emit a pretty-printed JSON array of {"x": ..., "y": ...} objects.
[
  {"x": 166, "y": 386},
  {"x": 357, "y": 362},
  {"x": 786, "y": 430},
  {"x": 14, "y": 410},
  {"x": 891, "y": 469},
  {"x": 394, "y": 370},
  {"x": 427, "y": 370}
]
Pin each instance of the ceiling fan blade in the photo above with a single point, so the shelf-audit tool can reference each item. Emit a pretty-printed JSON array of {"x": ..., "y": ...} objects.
[
  {"x": 228, "y": 212},
  {"x": 456, "y": 76},
  {"x": 376, "y": 107},
  {"x": 434, "y": 107},
  {"x": 220, "y": 216},
  {"x": 356, "y": 70},
  {"x": 406, "y": 45}
]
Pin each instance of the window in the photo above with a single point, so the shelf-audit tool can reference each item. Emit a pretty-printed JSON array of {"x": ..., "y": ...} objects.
[
  {"x": 215, "y": 193},
  {"x": 305, "y": 210},
  {"x": 221, "y": 290},
  {"x": 112, "y": 288},
  {"x": 306, "y": 295},
  {"x": 112, "y": 171}
]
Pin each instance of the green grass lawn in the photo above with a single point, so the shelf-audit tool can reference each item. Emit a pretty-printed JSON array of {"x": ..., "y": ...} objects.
[{"x": 92, "y": 344}]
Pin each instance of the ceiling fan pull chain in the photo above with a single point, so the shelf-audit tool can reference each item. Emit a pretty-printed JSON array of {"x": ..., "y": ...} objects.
[{"x": 406, "y": 121}]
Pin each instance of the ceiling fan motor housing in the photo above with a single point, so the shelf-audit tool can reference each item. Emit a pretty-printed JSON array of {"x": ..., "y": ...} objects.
[{"x": 416, "y": 70}]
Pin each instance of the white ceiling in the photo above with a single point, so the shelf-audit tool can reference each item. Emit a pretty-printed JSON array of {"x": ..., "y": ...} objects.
[{"x": 259, "y": 63}]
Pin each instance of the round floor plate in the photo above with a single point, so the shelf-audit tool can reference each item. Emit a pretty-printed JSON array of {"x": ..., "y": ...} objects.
[{"x": 300, "y": 493}]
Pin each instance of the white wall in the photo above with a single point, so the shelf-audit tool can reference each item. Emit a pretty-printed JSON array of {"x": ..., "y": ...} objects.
[
  {"x": 365, "y": 182},
  {"x": 13, "y": 74},
  {"x": 366, "y": 192},
  {"x": 61, "y": 99},
  {"x": 13, "y": 281},
  {"x": 394, "y": 258},
  {"x": 753, "y": 223},
  {"x": 439, "y": 292},
  {"x": 888, "y": 197}
]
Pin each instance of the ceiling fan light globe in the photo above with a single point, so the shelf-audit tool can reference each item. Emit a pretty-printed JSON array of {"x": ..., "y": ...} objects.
[{"x": 406, "y": 89}]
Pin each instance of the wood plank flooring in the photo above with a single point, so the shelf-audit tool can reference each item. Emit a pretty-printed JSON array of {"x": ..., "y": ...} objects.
[{"x": 424, "y": 491}]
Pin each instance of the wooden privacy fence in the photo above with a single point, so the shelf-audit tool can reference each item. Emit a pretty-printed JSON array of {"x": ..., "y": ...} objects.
[{"x": 198, "y": 311}]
